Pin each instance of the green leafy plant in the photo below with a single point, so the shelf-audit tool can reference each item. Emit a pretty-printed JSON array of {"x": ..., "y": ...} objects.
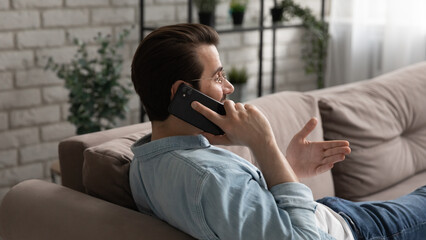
[
  {"x": 97, "y": 98},
  {"x": 237, "y": 76},
  {"x": 315, "y": 39},
  {"x": 205, "y": 6},
  {"x": 238, "y": 6}
]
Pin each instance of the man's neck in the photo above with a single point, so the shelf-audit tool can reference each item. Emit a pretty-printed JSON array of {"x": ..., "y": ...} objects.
[{"x": 172, "y": 126}]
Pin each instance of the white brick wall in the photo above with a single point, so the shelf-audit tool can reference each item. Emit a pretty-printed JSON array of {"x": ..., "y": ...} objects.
[
  {"x": 33, "y": 102},
  {"x": 20, "y": 98},
  {"x": 125, "y": 2},
  {"x": 65, "y": 17},
  {"x": 6, "y": 40},
  {"x": 36, "y": 77},
  {"x": 35, "y": 116},
  {"x": 113, "y": 15},
  {"x": 86, "y": 3},
  {"x": 160, "y": 13},
  {"x": 8, "y": 158},
  {"x": 6, "y": 80},
  {"x": 38, "y": 152},
  {"x": 18, "y": 138},
  {"x": 4, "y": 122},
  {"x": 19, "y": 20},
  {"x": 11, "y": 60},
  {"x": 87, "y": 34},
  {"x": 65, "y": 111},
  {"x": 22, "y": 4},
  {"x": 57, "y": 131},
  {"x": 55, "y": 94},
  {"x": 60, "y": 55},
  {"x": 41, "y": 38}
]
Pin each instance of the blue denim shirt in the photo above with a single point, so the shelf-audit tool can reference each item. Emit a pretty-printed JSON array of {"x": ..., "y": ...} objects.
[{"x": 211, "y": 193}]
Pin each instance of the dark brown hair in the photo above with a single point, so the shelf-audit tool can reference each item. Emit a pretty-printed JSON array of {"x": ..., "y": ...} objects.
[{"x": 164, "y": 56}]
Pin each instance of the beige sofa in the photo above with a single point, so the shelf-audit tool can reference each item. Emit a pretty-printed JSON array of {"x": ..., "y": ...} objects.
[{"x": 384, "y": 119}]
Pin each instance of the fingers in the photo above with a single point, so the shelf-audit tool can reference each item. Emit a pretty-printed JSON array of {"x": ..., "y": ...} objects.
[
  {"x": 335, "y": 143},
  {"x": 207, "y": 112},
  {"x": 243, "y": 124},
  {"x": 333, "y": 147},
  {"x": 239, "y": 107},
  {"x": 229, "y": 104},
  {"x": 337, "y": 150},
  {"x": 328, "y": 163},
  {"x": 336, "y": 153},
  {"x": 232, "y": 107},
  {"x": 334, "y": 159},
  {"x": 308, "y": 128},
  {"x": 324, "y": 168}
]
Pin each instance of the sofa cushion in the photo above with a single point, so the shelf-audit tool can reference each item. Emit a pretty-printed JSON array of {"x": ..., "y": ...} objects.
[
  {"x": 106, "y": 166},
  {"x": 384, "y": 119},
  {"x": 106, "y": 170},
  {"x": 402, "y": 188}
]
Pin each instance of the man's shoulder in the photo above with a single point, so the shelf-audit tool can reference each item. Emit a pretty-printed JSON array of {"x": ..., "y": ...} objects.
[
  {"x": 211, "y": 158},
  {"x": 187, "y": 154}
]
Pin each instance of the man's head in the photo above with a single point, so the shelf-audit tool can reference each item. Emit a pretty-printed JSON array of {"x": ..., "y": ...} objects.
[{"x": 168, "y": 54}]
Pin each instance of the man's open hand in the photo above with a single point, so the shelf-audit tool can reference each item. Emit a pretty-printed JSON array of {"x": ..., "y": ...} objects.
[{"x": 312, "y": 158}]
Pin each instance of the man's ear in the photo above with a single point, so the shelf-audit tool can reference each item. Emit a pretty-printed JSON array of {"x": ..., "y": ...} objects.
[{"x": 175, "y": 87}]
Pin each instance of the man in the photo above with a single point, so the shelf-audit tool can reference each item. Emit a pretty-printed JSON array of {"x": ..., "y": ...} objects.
[{"x": 211, "y": 193}]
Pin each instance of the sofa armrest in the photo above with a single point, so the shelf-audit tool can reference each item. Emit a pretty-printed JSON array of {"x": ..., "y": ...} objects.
[
  {"x": 71, "y": 151},
  {"x": 35, "y": 209}
]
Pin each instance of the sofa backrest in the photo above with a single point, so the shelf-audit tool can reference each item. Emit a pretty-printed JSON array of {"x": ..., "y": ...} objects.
[
  {"x": 384, "y": 119},
  {"x": 106, "y": 165}
]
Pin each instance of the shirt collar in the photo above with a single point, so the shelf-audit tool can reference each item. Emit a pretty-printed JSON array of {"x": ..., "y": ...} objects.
[{"x": 147, "y": 148}]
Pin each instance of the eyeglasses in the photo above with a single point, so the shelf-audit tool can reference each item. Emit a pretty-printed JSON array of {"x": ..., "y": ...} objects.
[{"x": 219, "y": 78}]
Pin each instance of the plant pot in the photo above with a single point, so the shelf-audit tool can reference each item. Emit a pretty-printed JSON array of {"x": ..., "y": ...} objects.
[
  {"x": 237, "y": 18},
  {"x": 239, "y": 93},
  {"x": 207, "y": 18},
  {"x": 277, "y": 14}
]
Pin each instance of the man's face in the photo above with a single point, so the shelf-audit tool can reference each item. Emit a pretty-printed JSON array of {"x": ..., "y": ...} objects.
[{"x": 209, "y": 57}]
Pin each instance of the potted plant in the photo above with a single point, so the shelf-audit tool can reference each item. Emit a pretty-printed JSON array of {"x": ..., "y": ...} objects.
[
  {"x": 315, "y": 39},
  {"x": 277, "y": 12},
  {"x": 206, "y": 11},
  {"x": 97, "y": 98},
  {"x": 238, "y": 78},
  {"x": 237, "y": 9}
]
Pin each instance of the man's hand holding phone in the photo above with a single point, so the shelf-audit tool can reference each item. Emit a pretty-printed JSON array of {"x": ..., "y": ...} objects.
[{"x": 243, "y": 124}]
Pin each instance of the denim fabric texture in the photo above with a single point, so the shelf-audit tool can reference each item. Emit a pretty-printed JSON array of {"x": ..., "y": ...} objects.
[
  {"x": 211, "y": 193},
  {"x": 402, "y": 218}
]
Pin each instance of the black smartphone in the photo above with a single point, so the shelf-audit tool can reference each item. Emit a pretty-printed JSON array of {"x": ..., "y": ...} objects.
[{"x": 181, "y": 108}]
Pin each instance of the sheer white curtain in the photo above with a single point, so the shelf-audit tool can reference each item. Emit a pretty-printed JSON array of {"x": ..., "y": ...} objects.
[{"x": 370, "y": 37}]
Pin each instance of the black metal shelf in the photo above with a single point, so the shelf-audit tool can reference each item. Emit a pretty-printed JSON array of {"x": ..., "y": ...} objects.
[{"x": 236, "y": 29}]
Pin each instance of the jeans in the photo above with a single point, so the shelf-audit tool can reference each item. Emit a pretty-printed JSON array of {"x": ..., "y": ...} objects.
[{"x": 402, "y": 218}]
